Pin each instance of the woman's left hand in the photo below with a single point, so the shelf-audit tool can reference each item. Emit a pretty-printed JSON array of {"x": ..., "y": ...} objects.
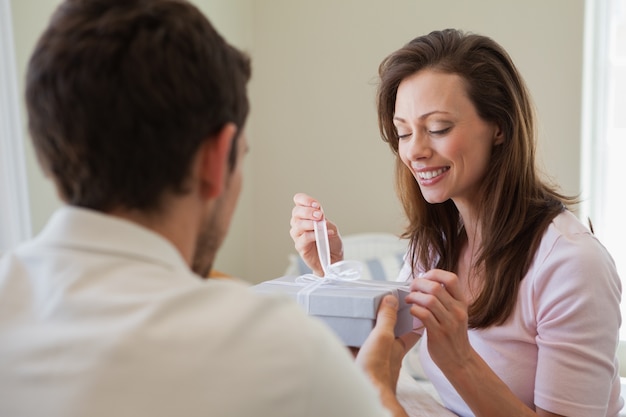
[{"x": 440, "y": 303}]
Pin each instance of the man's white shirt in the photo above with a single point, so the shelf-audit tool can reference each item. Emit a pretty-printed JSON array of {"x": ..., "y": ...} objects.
[{"x": 102, "y": 317}]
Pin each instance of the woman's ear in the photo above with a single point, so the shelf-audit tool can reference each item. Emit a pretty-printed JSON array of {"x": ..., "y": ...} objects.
[
  {"x": 498, "y": 137},
  {"x": 213, "y": 161}
]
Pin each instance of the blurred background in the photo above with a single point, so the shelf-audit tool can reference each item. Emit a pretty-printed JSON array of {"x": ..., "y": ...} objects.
[{"x": 313, "y": 124}]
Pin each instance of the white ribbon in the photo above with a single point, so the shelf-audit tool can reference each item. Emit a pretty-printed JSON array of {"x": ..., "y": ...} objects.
[{"x": 341, "y": 275}]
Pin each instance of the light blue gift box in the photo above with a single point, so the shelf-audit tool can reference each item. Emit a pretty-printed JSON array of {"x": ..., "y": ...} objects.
[{"x": 348, "y": 308}]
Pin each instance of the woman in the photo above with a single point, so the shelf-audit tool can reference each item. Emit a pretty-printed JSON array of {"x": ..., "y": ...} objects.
[{"x": 519, "y": 300}]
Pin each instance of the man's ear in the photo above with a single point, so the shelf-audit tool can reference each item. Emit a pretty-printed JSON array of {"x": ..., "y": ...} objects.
[{"x": 213, "y": 161}]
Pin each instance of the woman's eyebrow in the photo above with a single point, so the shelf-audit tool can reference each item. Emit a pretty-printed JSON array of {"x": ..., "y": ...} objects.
[{"x": 422, "y": 117}]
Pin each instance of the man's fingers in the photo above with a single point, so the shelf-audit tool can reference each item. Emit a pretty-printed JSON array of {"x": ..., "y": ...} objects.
[{"x": 387, "y": 314}]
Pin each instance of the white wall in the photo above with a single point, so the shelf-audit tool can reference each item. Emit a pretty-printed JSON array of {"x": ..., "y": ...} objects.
[{"x": 313, "y": 123}]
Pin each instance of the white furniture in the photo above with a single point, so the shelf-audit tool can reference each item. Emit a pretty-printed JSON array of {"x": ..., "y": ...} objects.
[{"x": 382, "y": 255}]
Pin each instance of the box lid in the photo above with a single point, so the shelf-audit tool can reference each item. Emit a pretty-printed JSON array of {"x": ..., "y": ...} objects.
[{"x": 358, "y": 299}]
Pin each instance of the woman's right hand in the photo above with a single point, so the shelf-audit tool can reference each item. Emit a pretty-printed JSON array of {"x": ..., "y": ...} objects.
[{"x": 306, "y": 211}]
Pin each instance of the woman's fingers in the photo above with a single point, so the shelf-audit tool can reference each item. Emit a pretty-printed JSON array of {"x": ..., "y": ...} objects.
[
  {"x": 305, "y": 212},
  {"x": 445, "y": 279},
  {"x": 303, "y": 199},
  {"x": 427, "y": 307},
  {"x": 437, "y": 299}
]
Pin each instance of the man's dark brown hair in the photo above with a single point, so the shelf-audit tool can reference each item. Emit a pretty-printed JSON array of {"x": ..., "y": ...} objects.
[{"x": 121, "y": 93}]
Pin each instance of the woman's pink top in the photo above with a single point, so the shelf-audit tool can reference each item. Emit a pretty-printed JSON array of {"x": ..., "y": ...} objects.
[{"x": 557, "y": 349}]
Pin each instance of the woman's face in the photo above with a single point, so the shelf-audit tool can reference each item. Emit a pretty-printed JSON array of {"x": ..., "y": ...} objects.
[{"x": 442, "y": 140}]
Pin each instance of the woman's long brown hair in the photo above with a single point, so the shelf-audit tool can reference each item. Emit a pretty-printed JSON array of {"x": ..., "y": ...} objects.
[{"x": 516, "y": 205}]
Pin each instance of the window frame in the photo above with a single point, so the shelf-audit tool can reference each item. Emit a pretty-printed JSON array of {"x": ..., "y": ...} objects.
[{"x": 15, "y": 222}]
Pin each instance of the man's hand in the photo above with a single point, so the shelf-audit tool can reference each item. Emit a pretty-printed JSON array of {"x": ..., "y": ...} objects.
[{"x": 382, "y": 353}]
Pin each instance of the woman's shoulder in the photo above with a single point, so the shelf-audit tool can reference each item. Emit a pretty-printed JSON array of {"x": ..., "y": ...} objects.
[
  {"x": 567, "y": 233},
  {"x": 568, "y": 247},
  {"x": 568, "y": 225}
]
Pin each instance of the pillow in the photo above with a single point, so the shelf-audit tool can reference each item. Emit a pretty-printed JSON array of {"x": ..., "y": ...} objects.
[
  {"x": 383, "y": 268},
  {"x": 382, "y": 256}
]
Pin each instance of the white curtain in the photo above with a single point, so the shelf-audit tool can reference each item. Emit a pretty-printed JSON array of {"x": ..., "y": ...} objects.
[
  {"x": 604, "y": 128},
  {"x": 15, "y": 224}
]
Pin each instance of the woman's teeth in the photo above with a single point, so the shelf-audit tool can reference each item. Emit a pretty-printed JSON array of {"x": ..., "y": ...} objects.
[{"x": 427, "y": 175}]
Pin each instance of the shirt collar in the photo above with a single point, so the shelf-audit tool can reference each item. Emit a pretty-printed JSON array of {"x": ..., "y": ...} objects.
[{"x": 91, "y": 230}]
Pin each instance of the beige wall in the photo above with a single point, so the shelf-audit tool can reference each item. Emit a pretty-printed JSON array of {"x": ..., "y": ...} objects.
[
  {"x": 313, "y": 95},
  {"x": 313, "y": 124},
  {"x": 29, "y": 18}
]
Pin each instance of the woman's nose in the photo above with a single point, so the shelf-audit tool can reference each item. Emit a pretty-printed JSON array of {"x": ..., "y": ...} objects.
[{"x": 416, "y": 147}]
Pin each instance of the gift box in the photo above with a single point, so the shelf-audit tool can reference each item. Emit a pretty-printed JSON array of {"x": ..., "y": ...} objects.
[{"x": 348, "y": 308}]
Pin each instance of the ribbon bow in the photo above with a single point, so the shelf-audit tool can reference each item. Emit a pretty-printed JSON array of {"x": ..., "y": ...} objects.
[{"x": 344, "y": 274}]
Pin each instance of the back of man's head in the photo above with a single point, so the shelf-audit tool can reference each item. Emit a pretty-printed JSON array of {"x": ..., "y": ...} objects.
[{"x": 121, "y": 93}]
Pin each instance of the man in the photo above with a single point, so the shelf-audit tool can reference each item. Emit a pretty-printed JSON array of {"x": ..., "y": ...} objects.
[{"x": 136, "y": 110}]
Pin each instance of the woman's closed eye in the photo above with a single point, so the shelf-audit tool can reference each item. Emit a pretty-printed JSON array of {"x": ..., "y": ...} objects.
[{"x": 438, "y": 132}]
